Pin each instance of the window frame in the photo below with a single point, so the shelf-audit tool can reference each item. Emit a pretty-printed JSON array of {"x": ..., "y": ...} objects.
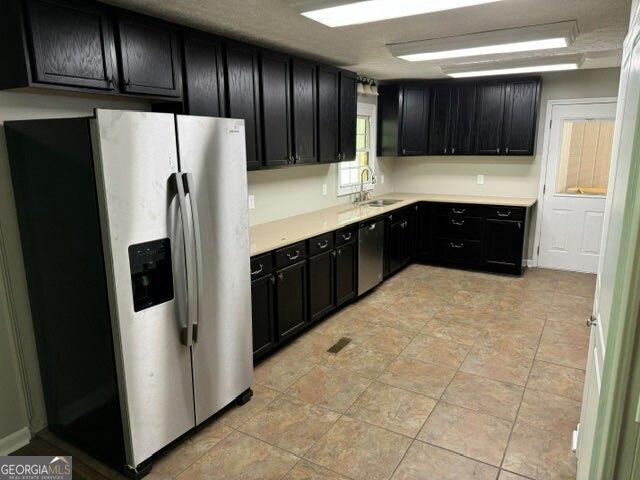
[{"x": 368, "y": 110}]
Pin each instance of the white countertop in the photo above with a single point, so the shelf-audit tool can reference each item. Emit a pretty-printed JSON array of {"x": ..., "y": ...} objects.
[{"x": 279, "y": 233}]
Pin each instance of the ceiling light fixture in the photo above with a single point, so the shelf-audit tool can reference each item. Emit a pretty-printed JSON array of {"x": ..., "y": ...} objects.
[
  {"x": 522, "y": 39},
  {"x": 487, "y": 69},
  {"x": 342, "y": 13}
]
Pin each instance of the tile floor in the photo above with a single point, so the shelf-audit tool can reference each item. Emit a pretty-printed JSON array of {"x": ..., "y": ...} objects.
[{"x": 449, "y": 375}]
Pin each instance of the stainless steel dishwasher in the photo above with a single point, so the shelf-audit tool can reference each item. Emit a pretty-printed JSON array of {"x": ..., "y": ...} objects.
[{"x": 370, "y": 255}]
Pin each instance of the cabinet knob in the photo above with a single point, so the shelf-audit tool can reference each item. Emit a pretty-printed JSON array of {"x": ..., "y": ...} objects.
[
  {"x": 453, "y": 150},
  {"x": 281, "y": 277},
  {"x": 445, "y": 150},
  {"x": 506, "y": 150},
  {"x": 497, "y": 150},
  {"x": 273, "y": 279}
]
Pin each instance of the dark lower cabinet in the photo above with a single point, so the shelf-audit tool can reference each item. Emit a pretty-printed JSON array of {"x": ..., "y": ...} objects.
[
  {"x": 399, "y": 241},
  {"x": 203, "y": 75},
  {"x": 346, "y": 268},
  {"x": 291, "y": 299},
  {"x": 503, "y": 245},
  {"x": 150, "y": 57},
  {"x": 321, "y": 285},
  {"x": 262, "y": 310}
]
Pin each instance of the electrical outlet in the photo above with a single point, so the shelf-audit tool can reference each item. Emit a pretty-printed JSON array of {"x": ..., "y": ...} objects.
[
  {"x": 324, "y": 189},
  {"x": 480, "y": 179},
  {"x": 381, "y": 178},
  {"x": 252, "y": 202}
]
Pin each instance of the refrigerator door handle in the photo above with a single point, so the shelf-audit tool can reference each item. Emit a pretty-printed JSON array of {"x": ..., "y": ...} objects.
[
  {"x": 187, "y": 330},
  {"x": 191, "y": 190}
]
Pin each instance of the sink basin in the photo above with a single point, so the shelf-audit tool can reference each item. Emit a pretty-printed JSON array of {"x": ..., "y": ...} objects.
[{"x": 381, "y": 203}]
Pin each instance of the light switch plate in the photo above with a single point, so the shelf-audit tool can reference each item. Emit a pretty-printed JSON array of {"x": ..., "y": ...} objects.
[
  {"x": 252, "y": 202},
  {"x": 480, "y": 179},
  {"x": 324, "y": 189}
]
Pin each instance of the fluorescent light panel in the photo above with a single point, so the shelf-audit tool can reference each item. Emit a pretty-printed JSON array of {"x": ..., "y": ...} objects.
[
  {"x": 376, "y": 10},
  {"x": 515, "y": 70},
  {"x": 489, "y": 50}
]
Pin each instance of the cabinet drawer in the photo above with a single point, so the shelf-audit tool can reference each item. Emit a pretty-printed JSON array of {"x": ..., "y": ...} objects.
[
  {"x": 468, "y": 252},
  {"x": 291, "y": 254},
  {"x": 346, "y": 235},
  {"x": 469, "y": 228},
  {"x": 505, "y": 213},
  {"x": 458, "y": 209},
  {"x": 321, "y": 243},
  {"x": 261, "y": 265}
]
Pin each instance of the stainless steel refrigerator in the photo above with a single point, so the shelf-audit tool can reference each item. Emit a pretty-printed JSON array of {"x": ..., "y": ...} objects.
[{"x": 145, "y": 214}]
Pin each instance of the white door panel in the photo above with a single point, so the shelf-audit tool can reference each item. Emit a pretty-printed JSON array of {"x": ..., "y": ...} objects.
[{"x": 592, "y": 232}]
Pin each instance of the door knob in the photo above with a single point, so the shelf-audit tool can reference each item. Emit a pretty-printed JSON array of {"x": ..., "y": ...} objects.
[{"x": 592, "y": 321}]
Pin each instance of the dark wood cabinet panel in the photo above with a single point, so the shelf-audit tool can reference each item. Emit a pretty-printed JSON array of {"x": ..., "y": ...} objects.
[
  {"x": 321, "y": 285},
  {"x": 348, "y": 113},
  {"x": 203, "y": 75},
  {"x": 398, "y": 245},
  {"x": 425, "y": 229},
  {"x": 72, "y": 43},
  {"x": 276, "y": 108},
  {"x": 328, "y": 89},
  {"x": 520, "y": 117},
  {"x": 243, "y": 96},
  {"x": 262, "y": 312},
  {"x": 415, "y": 114},
  {"x": 440, "y": 119},
  {"x": 463, "y": 114},
  {"x": 503, "y": 244},
  {"x": 489, "y": 118},
  {"x": 346, "y": 268},
  {"x": 149, "y": 56},
  {"x": 303, "y": 106},
  {"x": 291, "y": 299}
]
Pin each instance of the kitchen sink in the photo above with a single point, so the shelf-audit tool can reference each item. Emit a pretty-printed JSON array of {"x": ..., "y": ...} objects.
[{"x": 381, "y": 203}]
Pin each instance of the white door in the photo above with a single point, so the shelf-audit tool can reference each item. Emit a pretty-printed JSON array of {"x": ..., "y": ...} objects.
[
  {"x": 578, "y": 158},
  {"x": 623, "y": 154}
]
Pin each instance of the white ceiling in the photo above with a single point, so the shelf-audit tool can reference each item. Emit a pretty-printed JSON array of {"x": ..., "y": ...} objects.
[{"x": 602, "y": 26}]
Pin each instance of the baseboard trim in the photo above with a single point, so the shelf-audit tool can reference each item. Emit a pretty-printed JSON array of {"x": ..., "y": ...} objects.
[
  {"x": 14, "y": 441},
  {"x": 530, "y": 263}
]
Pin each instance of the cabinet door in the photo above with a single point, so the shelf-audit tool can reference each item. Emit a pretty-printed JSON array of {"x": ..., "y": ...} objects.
[
  {"x": 321, "y": 285},
  {"x": 503, "y": 243},
  {"x": 413, "y": 126},
  {"x": 425, "y": 231},
  {"x": 150, "y": 57},
  {"x": 203, "y": 75},
  {"x": 72, "y": 43},
  {"x": 520, "y": 117},
  {"x": 462, "y": 119},
  {"x": 303, "y": 101},
  {"x": 328, "y": 88},
  {"x": 441, "y": 98},
  {"x": 399, "y": 248},
  {"x": 346, "y": 268},
  {"x": 489, "y": 118},
  {"x": 243, "y": 96},
  {"x": 348, "y": 112},
  {"x": 291, "y": 299},
  {"x": 276, "y": 108},
  {"x": 262, "y": 315}
]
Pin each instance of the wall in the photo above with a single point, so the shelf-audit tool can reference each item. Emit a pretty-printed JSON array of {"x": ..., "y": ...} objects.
[
  {"x": 19, "y": 369},
  {"x": 504, "y": 176}
]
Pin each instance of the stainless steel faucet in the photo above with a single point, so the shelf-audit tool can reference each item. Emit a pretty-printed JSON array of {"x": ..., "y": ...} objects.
[{"x": 362, "y": 196}]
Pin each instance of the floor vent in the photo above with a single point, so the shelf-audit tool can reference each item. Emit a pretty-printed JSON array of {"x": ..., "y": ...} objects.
[{"x": 339, "y": 345}]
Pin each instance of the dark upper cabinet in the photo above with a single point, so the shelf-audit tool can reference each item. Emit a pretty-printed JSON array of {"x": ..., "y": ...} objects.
[
  {"x": 490, "y": 118},
  {"x": 346, "y": 268},
  {"x": 276, "y": 108},
  {"x": 463, "y": 112},
  {"x": 348, "y": 113},
  {"x": 243, "y": 96},
  {"x": 440, "y": 119},
  {"x": 262, "y": 311},
  {"x": 520, "y": 116},
  {"x": 321, "y": 285},
  {"x": 413, "y": 124},
  {"x": 503, "y": 244},
  {"x": 149, "y": 56},
  {"x": 72, "y": 43},
  {"x": 203, "y": 75},
  {"x": 291, "y": 299},
  {"x": 328, "y": 90},
  {"x": 303, "y": 106}
]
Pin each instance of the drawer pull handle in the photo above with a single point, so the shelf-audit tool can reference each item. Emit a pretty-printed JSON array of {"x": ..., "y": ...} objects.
[
  {"x": 501, "y": 214},
  {"x": 459, "y": 212},
  {"x": 346, "y": 236},
  {"x": 273, "y": 279},
  {"x": 324, "y": 244},
  {"x": 372, "y": 226},
  {"x": 293, "y": 256},
  {"x": 258, "y": 271},
  {"x": 339, "y": 251},
  {"x": 456, "y": 245},
  {"x": 457, "y": 222}
]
